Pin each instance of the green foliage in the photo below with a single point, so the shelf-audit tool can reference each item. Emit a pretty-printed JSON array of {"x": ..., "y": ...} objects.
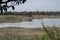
[{"x": 31, "y": 13}]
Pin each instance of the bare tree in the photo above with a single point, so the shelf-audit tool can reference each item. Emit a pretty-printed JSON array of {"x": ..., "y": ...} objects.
[{"x": 4, "y": 7}]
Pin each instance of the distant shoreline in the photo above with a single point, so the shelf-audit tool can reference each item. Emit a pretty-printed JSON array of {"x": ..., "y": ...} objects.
[{"x": 18, "y": 18}]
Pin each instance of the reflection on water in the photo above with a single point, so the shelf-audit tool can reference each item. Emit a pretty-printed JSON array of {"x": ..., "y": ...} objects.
[{"x": 33, "y": 24}]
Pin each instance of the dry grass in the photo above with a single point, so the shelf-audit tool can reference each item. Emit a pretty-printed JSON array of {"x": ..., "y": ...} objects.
[
  {"x": 15, "y": 33},
  {"x": 18, "y": 18}
]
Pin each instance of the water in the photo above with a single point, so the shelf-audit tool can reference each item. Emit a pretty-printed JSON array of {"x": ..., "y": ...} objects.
[{"x": 35, "y": 23}]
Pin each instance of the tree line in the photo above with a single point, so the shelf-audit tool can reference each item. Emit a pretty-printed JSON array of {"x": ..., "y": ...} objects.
[{"x": 32, "y": 13}]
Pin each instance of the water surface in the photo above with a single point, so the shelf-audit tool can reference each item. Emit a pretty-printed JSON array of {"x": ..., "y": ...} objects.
[{"x": 35, "y": 23}]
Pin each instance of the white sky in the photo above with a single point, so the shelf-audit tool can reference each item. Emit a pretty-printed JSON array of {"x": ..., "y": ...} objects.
[{"x": 38, "y": 5}]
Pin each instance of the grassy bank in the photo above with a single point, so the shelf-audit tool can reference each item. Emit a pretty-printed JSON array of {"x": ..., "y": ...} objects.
[
  {"x": 14, "y": 18},
  {"x": 45, "y": 33},
  {"x": 18, "y": 18}
]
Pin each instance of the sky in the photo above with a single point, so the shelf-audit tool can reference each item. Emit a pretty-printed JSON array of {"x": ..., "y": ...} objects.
[{"x": 38, "y": 5}]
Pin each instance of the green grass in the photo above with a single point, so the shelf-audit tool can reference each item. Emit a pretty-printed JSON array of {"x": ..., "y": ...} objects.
[{"x": 45, "y": 33}]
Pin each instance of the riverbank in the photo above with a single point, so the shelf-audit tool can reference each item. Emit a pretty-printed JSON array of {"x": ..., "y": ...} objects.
[
  {"x": 15, "y": 33},
  {"x": 20, "y": 18}
]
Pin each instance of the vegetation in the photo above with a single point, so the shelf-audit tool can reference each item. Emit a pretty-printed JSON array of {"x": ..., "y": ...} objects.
[
  {"x": 27, "y": 16},
  {"x": 15, "y": 33},
  {"x": 45, "y": 33},
  {"x": 33, "y": 13},
  {"x": 6, "y": 6}
]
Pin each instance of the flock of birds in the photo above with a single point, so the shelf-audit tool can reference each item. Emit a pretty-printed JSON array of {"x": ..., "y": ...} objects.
[{"x": 5, "y": 6}]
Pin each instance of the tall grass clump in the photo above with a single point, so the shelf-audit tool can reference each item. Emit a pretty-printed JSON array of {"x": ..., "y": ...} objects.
[{"x": 52, "y": 33}]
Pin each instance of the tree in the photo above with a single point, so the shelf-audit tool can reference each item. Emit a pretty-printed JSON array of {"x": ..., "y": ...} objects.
[{"x": 15, "y": 2}]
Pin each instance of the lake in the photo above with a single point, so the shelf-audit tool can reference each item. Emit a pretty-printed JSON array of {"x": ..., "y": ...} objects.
[{"x": 35, "y": 23}]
